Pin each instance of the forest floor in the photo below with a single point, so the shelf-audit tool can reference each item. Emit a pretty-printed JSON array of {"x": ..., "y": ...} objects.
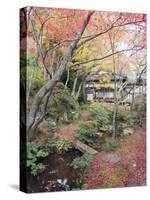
[{"x": 129, "y": 169}]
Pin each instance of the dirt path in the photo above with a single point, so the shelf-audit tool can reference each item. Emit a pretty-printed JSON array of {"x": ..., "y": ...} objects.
[{"x": 67, "y": 131}]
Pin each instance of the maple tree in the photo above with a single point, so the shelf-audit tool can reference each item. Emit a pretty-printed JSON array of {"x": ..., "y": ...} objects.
[{"x": 85, "y": 41}]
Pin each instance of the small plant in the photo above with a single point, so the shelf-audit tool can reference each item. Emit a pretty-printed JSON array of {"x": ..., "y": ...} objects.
[
  {"x": 102, "y": 116},
  {"x": 70, "y": 116},
  {"x": 35, "y": 168},
  {"x": 110, "y": 145},
  {"x": 127, "y": 116},
  {"x": 85, "y": 131},
  {"x": 140, "y": 104},
  {"x": 126, "y": 132},
  {"x": 81, "y": 162},
  {"x": 31, "y": 156},
  {"x": 63, "y": 145}
]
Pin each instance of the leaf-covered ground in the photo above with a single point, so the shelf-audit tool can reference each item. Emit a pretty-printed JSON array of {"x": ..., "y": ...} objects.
[{"x": 129, "y": 171}]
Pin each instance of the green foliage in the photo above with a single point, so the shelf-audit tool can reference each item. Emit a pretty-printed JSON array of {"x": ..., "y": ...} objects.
[
  {"x": 63, "y": 145},
  {"x": 37, "y": 73},
  {"x": 110, "y": 145},
  {"x": 72, "y": 76},
  {"x": 140, "y": 103},
  {"x": 36, "y": 168},
  {"x": 127, "y": 117},
  {"x": 85, "y": 131},
  {"x": 62, "y": 101},
  {"x": 126, "y": 132},
  {"x": 69, "y": 115},
  {"x": 81, "y": 162},
  {"x": 31, "y": 158},
  {"x": 101, "y": 115},
  {"x": 52, "y": 114}
]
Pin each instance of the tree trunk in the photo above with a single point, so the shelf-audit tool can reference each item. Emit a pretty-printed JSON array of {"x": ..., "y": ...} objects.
[
  {"x": 67, "y": 78},
  {"x": 74, "y": 86},
  {"x": 78, "y": 92},
  {"x": 111, "y": 38},
  {"x": 31, "y": 125},
  {"x": 133, "y": 97},
  {"x": 30, "y": 81},
  {"x": 114, "y": 111},
  {"x": 84, "y": 92}
]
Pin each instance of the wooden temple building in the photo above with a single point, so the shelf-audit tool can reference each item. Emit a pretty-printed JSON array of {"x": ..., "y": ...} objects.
[{"x": 100, "y": 87}]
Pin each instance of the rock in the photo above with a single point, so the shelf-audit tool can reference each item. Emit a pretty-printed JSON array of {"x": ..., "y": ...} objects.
[
  {"x": 65, "y": 117},
  {"x": 75, "y": 115},
  {"x": 49, "y": 119},
  {"x": 52, "y": 125},
  {"x": 84, "y": 148},
  {"x": 99, "y": 134},
  {"x": 112, "y": 158}
]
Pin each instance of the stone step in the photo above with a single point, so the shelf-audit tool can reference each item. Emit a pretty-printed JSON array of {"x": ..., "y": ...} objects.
[
  {"x": 84, "y": 148},
  {"x": 111, "y": 158}
]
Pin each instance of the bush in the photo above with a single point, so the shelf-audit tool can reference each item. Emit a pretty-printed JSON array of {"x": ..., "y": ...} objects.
[
  {"x": 62, "y": 98},
  {"x": 110, "y": 145},
  {"x": 126, "y": 132},
  {"x": 127, "y": 117},
  {"x": 69, "y": 115},
  {"x": 81, "y": 162},
  {"x": 85, "y": 131},
  {"x": 31, "y": 159},
  {"x": 63, "y": 145},
  {"x": 140, "y": 104},
  {"x": 102, "y": 117}
]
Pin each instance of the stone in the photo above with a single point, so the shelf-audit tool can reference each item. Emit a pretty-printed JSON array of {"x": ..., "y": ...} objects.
[
  {"x": 65, "y": 117},
  {"x": 99, "y": 134},
  {"x": 111, "y": 158},
  {"x": 52, "y": 126},
  {"x": 75, "y": 115},
  {"x": 84, "y": 148}
]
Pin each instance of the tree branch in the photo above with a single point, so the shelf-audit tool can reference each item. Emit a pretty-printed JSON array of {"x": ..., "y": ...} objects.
[{"x": 107, "y": 56}]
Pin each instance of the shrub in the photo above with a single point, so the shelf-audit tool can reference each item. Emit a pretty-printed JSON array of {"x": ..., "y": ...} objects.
[
  {"x": 102, "y": 115},
  {"x": 140, "y": 104},
  {"x": 63, "y": 99},
  {"x": 126, "y": 132},
  {"x": 31, "y": 158},
  {"x": 63, "y": 145},
  {"x": 85, "y": 131},
  {"x": 126, "y": 116},
  {"x": 69, "y": 115},
  {"x": 110, "y": 145},
  {"x": 81, "y": 162}
]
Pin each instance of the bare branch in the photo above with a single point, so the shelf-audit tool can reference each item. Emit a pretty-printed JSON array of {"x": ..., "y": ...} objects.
[
  {"x": 39, "y": 46},
  {"x": 107, "y": 56},
  {"x": 105, "y": 31}
]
